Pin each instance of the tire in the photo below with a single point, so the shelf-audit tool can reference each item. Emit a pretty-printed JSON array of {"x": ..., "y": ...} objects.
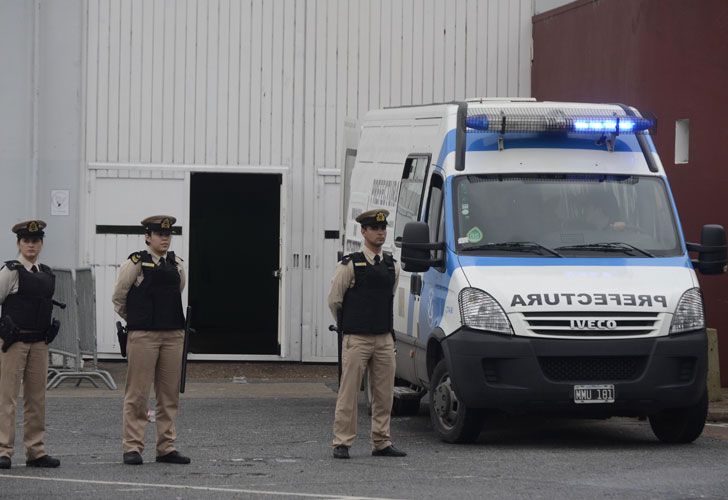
[
  {"x": 681, "y": 425},
  {"x": 452, "y": 420}
]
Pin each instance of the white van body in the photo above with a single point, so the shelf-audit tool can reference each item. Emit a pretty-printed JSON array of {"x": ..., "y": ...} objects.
[{"x": 562, "y": 283}]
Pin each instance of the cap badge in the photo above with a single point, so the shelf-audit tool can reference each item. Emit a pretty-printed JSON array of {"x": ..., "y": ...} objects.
[
  {"x": 381, "y": 217},
  {"x": 33, "y": 227},
  {"x": 165, "y": 224}
]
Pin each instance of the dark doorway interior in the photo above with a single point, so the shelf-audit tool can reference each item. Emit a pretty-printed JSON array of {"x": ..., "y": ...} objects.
[{"x": 234, "y": 245}]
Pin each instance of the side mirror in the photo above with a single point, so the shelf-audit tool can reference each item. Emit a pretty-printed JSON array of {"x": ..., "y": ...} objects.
[
  {"x": 416, "y": 248},
  {"x": 712, "y": 254}
]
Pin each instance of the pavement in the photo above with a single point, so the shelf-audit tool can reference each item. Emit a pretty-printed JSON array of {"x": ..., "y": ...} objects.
[{"x": 263, "y": 430}]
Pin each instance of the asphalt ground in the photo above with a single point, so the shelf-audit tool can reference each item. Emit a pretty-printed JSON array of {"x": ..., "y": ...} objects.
[{"x": 270, "y": 438}]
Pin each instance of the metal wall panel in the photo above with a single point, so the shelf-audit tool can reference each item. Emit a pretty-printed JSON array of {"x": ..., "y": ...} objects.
[
  {"x": 213, "y": 81},
  {"x": 271, "y": 82}
]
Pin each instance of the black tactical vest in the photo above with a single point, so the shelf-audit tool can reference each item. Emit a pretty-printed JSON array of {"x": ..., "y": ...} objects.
[
  {"x": 367, "y": 307},
  {"x": 156, "y": 304},
  {"x": 31, "y": 307}
]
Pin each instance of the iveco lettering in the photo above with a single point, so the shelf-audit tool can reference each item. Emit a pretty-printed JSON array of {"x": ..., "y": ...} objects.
[{"x": 544, "y": 267}]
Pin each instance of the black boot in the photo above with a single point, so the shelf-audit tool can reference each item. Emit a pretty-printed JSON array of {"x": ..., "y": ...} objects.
[
  {"x": 133, "y": 458},
  {"x": 46, "y": 462},
  {"x": 174, "y": 457},
  {"x": 5, "y": 462},
  {"x": 341, "y": 451}
]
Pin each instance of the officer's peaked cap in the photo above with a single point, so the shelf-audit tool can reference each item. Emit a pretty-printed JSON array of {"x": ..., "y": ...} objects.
[
  {"x": 159, "y": 224},
  {"x": 30, "y": 229},
  {"x": 373, "y": 217}
]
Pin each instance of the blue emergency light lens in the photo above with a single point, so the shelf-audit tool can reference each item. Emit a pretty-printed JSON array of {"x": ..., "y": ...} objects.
[
  {"x": 611, "y": 125},
  {"x": 477, "y": 122}
]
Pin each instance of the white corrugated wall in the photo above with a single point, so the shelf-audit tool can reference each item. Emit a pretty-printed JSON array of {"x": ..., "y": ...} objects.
[{"x": 187, "y": 83}]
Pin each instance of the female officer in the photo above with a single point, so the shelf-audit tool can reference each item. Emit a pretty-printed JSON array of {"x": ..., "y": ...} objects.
[
  {"x": 148, "y": 295},
  {"x": 26, "y": 295}
]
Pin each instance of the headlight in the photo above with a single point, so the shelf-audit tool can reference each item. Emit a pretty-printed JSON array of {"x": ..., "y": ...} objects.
[
  {"x": 480, "y": 311},
  {"x": 689, "y": 315}
]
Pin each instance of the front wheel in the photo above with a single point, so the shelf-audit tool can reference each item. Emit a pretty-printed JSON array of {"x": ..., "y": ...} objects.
[
  {"x": 452, "y": 420},
  {"x": 681, "y": 425}
]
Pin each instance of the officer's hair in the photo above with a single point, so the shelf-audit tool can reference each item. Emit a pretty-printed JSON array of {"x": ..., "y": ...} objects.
[{"x": 147, "y": 233}]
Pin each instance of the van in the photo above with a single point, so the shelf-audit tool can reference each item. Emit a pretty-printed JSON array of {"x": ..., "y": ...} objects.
[{"x": 544, "y": 268}]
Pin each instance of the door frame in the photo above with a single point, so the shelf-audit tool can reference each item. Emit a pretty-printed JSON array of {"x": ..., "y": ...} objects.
[{"x": 284, "y": 321}]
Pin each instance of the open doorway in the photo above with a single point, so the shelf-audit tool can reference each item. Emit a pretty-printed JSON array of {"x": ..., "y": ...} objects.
[{"x": 233, "y": 263}]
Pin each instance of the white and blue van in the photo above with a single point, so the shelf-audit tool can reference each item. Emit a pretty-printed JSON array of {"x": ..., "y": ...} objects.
[{"x": 544, "y": 268}]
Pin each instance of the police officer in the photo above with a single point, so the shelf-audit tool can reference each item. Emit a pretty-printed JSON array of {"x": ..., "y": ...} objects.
[
  {"x": 26, "y": 295},
  {"x": 148, "y": 295},
  {"x": 361, "y": 297}
]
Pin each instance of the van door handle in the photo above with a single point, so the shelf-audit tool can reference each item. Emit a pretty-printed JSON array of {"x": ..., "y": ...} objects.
[
  {"x": 415, "y": 284},
  {"x": 277, "y": 274}
]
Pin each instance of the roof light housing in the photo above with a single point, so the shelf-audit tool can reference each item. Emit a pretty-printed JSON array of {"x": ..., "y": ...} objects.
[{"x": 570, "y": 120}]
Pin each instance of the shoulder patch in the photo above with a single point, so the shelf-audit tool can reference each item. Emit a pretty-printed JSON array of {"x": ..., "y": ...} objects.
[{"x": 135, "y": 257}]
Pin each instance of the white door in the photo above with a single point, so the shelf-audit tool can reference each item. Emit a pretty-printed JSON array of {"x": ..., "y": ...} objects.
[
  {"x": 119, "y": 200},
  {"x": 322, "y": 346}
]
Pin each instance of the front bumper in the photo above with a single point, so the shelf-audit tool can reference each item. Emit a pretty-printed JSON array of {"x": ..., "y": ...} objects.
[{"x": 527, "y": 375}]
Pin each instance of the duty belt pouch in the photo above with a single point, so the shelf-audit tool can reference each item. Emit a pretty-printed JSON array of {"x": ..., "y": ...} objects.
[
  {"x": 52, "y": 331},
  {"x": 9, "y": 333}
]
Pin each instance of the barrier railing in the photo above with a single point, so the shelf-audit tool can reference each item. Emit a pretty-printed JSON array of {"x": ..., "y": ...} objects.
[{"x": 77, "y": 336}]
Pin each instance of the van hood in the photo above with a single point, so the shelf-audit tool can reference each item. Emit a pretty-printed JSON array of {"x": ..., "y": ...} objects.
[{"x": 623, "y": 287}]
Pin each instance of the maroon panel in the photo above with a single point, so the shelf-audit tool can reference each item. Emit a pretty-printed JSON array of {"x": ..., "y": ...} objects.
[{"x": 667, "y": 57}]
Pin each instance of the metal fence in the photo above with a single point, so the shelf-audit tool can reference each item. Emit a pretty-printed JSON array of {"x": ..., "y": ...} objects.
[{"x": 77, "y": 336}]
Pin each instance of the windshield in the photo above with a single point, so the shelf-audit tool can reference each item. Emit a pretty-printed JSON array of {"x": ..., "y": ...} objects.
[{"x": 564, "y": 215}]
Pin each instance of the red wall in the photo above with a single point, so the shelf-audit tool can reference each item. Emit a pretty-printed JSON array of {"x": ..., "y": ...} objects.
[{"x": 666, "y": 57}]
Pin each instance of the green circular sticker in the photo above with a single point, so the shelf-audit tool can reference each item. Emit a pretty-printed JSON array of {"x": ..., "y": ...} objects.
[{"x": 475, "y": 235}]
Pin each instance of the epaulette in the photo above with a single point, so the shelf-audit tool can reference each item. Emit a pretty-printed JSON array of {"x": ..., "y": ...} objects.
[
  {"x": 347, "y": 258},
  {"x": 46, "y": 269},
  {"x": 12, "y": 264},
  {"x": 135, "y": 257}
]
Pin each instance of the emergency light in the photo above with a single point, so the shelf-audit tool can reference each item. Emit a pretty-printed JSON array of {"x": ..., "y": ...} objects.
[{"x": 585, "y": 121}]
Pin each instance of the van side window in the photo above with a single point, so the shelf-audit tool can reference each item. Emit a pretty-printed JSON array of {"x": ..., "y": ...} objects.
[
  {"x": 410, "y": 191},
  {"x": 435, "y": 219},
  {"x": 349, "y": 161}
]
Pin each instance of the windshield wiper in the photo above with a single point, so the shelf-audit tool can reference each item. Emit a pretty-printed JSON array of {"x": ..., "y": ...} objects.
[
  {"x": 515, "y": 246},
  {"x": 617, "y": 246}
]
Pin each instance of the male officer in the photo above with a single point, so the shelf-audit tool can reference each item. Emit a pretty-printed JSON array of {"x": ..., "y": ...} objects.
[
  {"x": 26, "y": 295},
  {"x": 148, "y": 295},
  {"x": 361, "y": 295}
]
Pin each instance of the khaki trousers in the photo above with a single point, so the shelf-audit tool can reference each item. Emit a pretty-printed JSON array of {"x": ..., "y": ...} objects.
[
  {"x": 27, "y": 363},
  {"x": 154, "y": 356},
  {"x": 360, "y": 352}
]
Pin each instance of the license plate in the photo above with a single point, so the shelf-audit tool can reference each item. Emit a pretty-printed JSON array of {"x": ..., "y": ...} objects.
[{"x": 594, "y": 393}]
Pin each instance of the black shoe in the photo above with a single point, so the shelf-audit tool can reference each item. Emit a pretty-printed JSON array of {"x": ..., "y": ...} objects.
[
  {"x": 389, "y": 451},
  {"x": 341, "y": 451},
  {"x": 133, "y": 458},
  {"x": 5, "y": 462},
  {"x": 46, "y": 462},
  {"x": 174, "y": 457}
]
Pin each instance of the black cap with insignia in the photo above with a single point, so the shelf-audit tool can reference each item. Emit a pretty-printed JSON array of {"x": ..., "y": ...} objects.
[
  {"x": 377, "y": 217},
  {"x": 161, "y": 224},
  {"x": 30, "y": 229}
]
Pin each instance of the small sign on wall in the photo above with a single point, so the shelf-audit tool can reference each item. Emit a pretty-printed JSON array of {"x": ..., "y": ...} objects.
[{"x": 59, "y": 201}]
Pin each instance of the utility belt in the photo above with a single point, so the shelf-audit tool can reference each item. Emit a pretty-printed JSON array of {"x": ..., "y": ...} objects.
[{"x": 10, "y": 333}]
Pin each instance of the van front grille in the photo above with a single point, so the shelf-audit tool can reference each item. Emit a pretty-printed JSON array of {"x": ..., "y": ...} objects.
[
  {"x": 592, "y": 368},
  {"x": 592, "y": 324}
]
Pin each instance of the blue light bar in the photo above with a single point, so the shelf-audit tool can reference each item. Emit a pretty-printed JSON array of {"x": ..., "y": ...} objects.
[{"x": 583, "y": 121}]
